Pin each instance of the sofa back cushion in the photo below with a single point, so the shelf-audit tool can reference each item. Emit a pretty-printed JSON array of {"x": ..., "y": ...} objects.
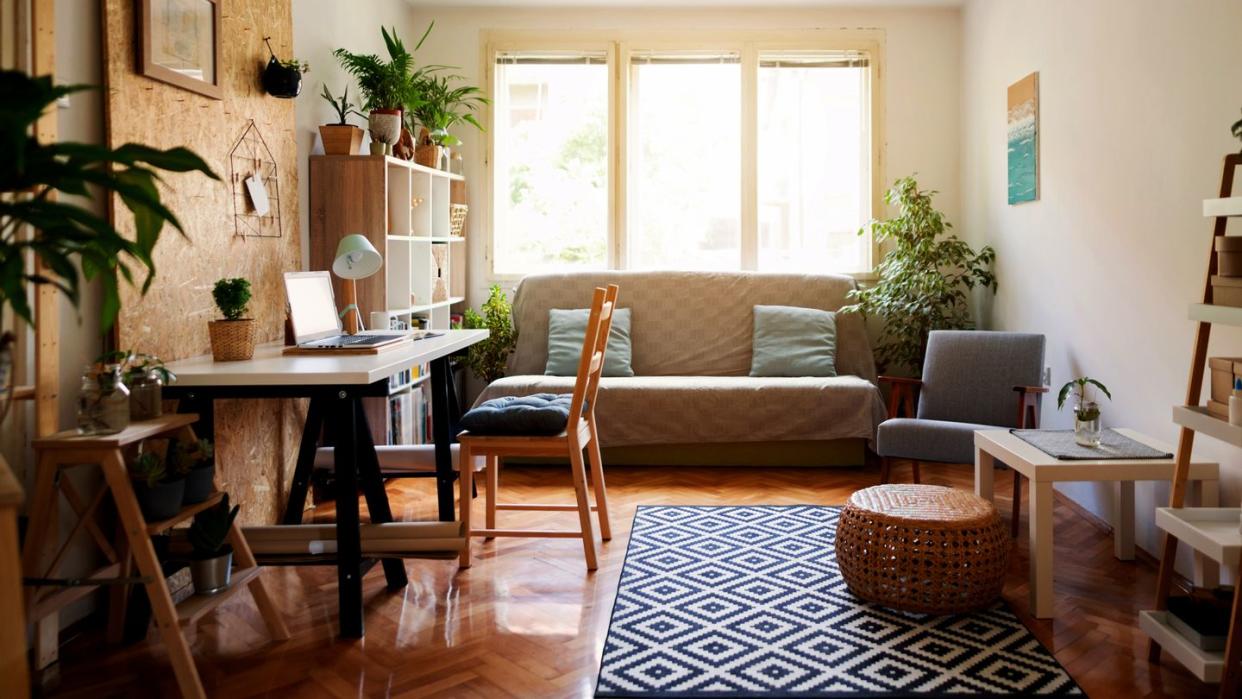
[
  {"x": 688, "y": 323},
  {"x": 567, "y": 333}
]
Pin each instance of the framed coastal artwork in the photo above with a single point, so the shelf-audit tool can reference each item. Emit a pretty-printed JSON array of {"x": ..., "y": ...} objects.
[
  {"x": 1023, "y": 137},
  {"x": 179, "y": 43}
]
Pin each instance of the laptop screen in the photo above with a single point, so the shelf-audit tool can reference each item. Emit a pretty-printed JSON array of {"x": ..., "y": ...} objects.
[{"x": 312, "y": 307}]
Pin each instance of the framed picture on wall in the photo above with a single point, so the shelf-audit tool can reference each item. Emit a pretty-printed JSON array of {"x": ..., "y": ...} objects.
[{"x": 179, "y": 43}]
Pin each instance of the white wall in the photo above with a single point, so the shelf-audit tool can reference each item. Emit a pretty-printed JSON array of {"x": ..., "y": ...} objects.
[
  {"x": 1136, "y": 99},
  {"x": 922, "y": 86},
  {"x": 319, "y": 28}
]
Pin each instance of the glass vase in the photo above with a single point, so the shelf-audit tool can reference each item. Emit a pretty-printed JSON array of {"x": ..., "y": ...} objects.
[
  {"x": 103, "y": 405},
  {"x": 1087, "y": 425},
  {"x": 146, "y": 395}
]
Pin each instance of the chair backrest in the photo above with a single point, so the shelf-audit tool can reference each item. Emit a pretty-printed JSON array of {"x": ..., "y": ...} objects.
[
  {"x": 969, "y": 375},
  {"x": 594, "y": 345}
]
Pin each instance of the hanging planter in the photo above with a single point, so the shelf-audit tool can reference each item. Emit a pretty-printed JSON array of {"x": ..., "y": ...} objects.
[{"x": 282, "y": 79}]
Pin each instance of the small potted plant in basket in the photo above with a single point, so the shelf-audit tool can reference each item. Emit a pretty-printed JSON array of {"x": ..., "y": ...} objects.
[
  {"x": 340, "y": 138},
  {"x": 196, "y": 461},
  {"x": 1086, "y": 410},
  {"x": 440, "y": 107},
  {"x": 211, "y": 564},
  {"x": 232, "y": 339},
  {"x": 158, "y": 491}
]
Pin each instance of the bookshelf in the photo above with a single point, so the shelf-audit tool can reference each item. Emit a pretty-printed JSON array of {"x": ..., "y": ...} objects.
[{"x": 403, "y": 210}]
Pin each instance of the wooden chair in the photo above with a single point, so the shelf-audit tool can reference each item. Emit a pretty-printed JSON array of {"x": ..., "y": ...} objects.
[
  {"x": 580, "y": 433},
  {"x": 969, "y": 382}
]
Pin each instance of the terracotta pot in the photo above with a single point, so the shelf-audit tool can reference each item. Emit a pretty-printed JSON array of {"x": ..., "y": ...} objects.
[
  {"x": 340, "y": 139},
  {"x": 231, "y": 340}
]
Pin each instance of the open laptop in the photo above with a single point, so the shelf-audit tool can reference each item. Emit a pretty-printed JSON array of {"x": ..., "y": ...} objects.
[{"x": 316, "y": 324}]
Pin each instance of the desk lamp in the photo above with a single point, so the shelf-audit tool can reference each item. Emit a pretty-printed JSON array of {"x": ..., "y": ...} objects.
[{"x": 356, "y": 258}]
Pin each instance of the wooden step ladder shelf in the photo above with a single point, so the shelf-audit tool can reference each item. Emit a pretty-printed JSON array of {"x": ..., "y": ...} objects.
[
  {"x": 1213, "y": 532},
  {"x": 131, "y": 549}
]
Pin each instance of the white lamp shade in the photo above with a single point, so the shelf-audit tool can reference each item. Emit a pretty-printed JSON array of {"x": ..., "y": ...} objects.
[{"x": 356, "y": 258}]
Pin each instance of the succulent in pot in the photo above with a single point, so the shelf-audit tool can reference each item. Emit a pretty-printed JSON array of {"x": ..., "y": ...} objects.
[
  {"x": 159, "y": 491},
  {"x": 341, "y": 137},
  {"x": 211, "y": 564},
  {"x": 196, "y": 461},
  {"x": 1086, "y": 410},
  {"x": 282, "y": 79},
  {"x": 232, "y": 339}
]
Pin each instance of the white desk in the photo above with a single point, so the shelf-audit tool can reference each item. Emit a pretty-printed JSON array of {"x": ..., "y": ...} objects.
[
  {"x": 336, "y": 383},
  {"x": 1042, "y": 470}
]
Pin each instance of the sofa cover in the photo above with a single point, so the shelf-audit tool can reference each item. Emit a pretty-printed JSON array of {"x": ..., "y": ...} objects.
[{"x": 691, "y": 337}]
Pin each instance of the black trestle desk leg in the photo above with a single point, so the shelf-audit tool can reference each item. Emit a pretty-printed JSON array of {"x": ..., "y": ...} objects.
[
  {"x": 373, "y": 487},
  {"x": 442, "y": 434},
  {"x": 306, "y": 463},
  {"x": 348, "y": 545}
]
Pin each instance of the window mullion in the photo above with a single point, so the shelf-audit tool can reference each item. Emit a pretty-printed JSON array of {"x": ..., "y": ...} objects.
[
  {"x": 618, "y": 114},
  {"x": 750, "y": 158}
]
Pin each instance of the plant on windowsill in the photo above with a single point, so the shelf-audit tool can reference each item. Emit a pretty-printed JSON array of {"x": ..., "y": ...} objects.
[
  {"x": 925, "y": 279},
  {"x": 1086, "y": 410},
  {"x": 211, "y": 565},
  {"x": 66, "y": 236},
  {"x": 341, "y": 137},
  {"x": 487, "y": 359},
  {"x": 232, "y": 339}
]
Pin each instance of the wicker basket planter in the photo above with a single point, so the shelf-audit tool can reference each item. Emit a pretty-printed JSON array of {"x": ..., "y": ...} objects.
[
  {"x": 922, "y": 548},
  {"x": 231, "y": 340},
  {"x": 427, "y": 156}
]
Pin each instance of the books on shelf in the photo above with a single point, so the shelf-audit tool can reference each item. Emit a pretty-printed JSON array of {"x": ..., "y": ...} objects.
[{"x": 409, "y": 416}]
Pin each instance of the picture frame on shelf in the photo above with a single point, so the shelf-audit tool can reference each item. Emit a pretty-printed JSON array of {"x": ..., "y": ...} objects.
[{"x": 179, "y": 44}]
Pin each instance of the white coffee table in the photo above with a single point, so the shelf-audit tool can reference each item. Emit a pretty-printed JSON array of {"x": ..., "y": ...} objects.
[{"x": 1043, "y": 470}]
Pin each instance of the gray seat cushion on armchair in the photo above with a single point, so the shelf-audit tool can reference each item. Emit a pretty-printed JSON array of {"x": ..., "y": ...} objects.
[{"x": 928, "y": 440}]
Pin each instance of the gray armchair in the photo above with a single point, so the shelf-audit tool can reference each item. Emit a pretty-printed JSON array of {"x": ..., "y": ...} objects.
[{"x": 972, "y": 380}]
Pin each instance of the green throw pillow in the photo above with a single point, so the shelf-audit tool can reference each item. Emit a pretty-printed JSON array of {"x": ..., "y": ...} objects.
[
  {"x": 566, "y": 333},
  {"x": 791, "y": 341}
]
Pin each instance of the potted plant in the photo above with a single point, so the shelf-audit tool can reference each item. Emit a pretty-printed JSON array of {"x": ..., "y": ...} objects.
[
  {"x": 487, "y": 359},
  {"x": 232, "y": 339},
  {"x": 924, "y": 278},
  {"x": 211, "y": 564},
  {"x": 103, "y": 401},
  {"x": 341, "y": 138},
  {"x": 67, "y": 236},
  {"x": 442, "y": 106},
  {"x": 1086, "y": 410},
  {"x": 196, "y": 462},
  {"x": 158, "y": 491},
  {"x": 386, "y": 85},
  {"x": 282, "y": 78}
]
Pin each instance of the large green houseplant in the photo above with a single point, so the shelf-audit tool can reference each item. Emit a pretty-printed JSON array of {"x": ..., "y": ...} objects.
[
  {"x": 487, "y": 359},
  {"x": 924, "y": 279},
  {"x": 63, "y": 235},
  {"x": 388, "y": 86},
  {"x": 444, "y": 106}
]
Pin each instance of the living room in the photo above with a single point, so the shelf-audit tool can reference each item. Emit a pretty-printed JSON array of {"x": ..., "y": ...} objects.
[{"x": 868, "y": 341}]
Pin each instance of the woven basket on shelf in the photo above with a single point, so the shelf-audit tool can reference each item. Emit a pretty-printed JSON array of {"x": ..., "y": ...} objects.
[
  {"x": 231, "y": 340},
  {"x": 457, "y": 219},
  {"x": 922, "y": 548}
]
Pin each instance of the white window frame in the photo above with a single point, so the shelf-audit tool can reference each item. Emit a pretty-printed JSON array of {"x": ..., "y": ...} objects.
[{"x": 619, "y": 45}]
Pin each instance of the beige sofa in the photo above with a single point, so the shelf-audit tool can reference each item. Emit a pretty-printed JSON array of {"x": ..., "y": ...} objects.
[{"x": 691, "y": 399}]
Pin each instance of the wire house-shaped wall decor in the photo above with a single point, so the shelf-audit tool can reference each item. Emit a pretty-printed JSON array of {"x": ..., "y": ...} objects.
[{"x": 255, "y": 183}]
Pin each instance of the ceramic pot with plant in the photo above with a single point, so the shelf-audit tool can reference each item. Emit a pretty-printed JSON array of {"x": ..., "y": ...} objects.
[
  {"x": 342, "y": 137},
  {"x": 146, "y": 376},
  {"x": 232, "y": 339},
  {"x": 159, "y": 492},
  {"x": 282, "y": 79},
  {"x": 1086, "y": 410},
  {"x": 103, "y": 401},
  {"x": 386, "y": 85},
  {"x": 196, "y": 462},
  {"x": 211, "y": 564}
]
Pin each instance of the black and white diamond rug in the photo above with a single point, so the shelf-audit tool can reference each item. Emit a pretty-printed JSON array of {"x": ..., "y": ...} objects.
[{"x": 747, "y": 601}]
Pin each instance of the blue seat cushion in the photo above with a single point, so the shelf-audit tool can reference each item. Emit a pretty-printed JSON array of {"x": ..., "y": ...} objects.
[
  {"x": 533, "y": 415},
  {"x": 928, "y": 440}
]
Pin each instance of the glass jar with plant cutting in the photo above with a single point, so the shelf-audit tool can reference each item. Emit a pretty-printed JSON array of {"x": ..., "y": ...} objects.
[{"x": 1086, "y": 410}]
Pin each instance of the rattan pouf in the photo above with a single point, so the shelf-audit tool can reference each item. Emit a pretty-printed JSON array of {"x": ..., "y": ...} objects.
[{"x": 922, "y": 548}]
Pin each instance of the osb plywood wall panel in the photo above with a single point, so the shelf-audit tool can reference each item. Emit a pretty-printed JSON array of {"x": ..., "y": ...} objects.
[{"x": 256, "y": 440}]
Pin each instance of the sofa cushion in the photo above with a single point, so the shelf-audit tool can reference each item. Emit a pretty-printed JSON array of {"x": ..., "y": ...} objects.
[
  {"x": 705, "y": 409},
  {"x": 536, "y": 414},
  {"x": 566, "y": 333},
  {"x": 928, "y": 440},
  {"x": 792, "y": 341}
]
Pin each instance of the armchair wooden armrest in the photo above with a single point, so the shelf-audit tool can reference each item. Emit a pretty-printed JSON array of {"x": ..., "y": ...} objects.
[{"x": 901, "y": 394}]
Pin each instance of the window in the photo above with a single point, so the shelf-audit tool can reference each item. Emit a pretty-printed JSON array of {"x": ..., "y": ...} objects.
[{"x": 713, "y": 152}]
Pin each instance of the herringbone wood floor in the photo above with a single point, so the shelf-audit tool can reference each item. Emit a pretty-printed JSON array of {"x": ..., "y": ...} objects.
[{"x": 528, "y": 621}]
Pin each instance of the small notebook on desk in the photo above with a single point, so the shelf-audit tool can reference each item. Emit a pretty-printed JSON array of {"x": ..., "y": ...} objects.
[{"x": 316, "y": 324}]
